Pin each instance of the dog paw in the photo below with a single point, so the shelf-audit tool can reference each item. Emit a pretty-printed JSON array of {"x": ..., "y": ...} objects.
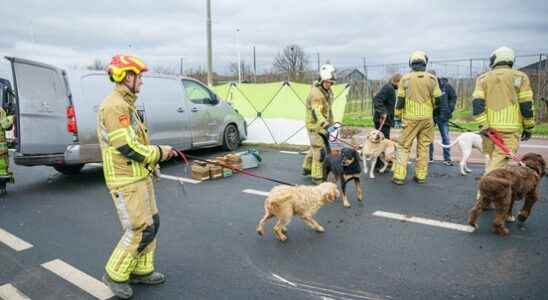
[
  {"x": 346, "y": 204},
  {"x": 474, "y": 225},
  {"x": 284, "y": 230},
  {"x": 510, "y": 219},
  {"x": 260, "y": 232},
  {"x": 320, "y": 229},
  {"x": 501, "y": 231}
]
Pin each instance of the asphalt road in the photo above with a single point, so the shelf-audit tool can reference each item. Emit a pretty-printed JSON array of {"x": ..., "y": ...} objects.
[{"x": 209, "y": 249}]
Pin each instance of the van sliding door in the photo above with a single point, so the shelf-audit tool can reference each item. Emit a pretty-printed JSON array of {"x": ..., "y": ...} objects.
[{"x": 43, "y": 97}]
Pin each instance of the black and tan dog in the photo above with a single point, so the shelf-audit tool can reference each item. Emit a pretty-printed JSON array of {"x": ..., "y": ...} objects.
[
  {"x": 506, "y": 185},
  {"x": 343, "y": 168}
]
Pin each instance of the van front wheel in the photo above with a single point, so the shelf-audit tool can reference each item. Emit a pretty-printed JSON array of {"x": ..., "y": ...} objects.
[
  {"x": 69, "y": 169},
  {"x": 231, "y": 138}
]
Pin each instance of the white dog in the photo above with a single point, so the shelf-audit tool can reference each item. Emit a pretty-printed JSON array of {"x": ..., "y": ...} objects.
[
  {"x": 467, "y": 141},
  {"x": 377, "y": 147}
]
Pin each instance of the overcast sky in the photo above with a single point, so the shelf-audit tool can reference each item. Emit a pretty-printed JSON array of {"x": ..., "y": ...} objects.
[{"x": 343, "y": 31}]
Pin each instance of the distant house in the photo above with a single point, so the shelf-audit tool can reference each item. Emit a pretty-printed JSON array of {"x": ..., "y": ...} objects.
[
  {"x": 540, "y": 89},
  {"x": 534, "y": 67},
  {"x": 348, "y": 75}
]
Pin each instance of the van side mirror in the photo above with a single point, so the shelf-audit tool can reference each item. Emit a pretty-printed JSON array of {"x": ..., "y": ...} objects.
[{"x": 214, "y": 99}]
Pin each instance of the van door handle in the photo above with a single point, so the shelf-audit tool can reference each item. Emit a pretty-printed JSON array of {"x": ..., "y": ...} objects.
[
  {"x": 195, "y": 109},
  {"x": 180, "y": 109}
]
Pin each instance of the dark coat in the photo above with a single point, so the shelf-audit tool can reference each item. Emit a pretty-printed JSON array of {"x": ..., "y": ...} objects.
[
  {"x": 450, "y": 96},
  {"x": 384, "y": 102}
]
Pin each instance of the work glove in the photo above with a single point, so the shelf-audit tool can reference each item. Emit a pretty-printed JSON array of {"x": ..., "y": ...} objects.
[
  {"x": 485, "y": 131},
  {"x": 166, "y": 151},
  {"x": 525, "y": 135}
]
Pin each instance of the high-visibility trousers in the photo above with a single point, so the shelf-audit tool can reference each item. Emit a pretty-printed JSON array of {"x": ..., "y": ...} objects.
[
  {"x": 313, "y": 160},
  {"x": 136, "y": 207},
  {"x": 423, "y": 132},
  {"x": 497, "y": 158}
]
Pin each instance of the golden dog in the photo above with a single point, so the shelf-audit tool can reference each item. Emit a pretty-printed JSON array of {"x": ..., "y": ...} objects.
[
  {"x": 377, "y": 147},
  {"x": 304, "y": 201}
]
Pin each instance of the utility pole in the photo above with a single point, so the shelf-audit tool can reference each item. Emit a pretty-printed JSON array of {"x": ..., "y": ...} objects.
[
  {"x": 365, "y": 85},
  {"x": 239, "y": 56},
  {"x": 209, "y": 47},
  {"x": 254, "y": 65},
  {"x": 318, "y": 60}
]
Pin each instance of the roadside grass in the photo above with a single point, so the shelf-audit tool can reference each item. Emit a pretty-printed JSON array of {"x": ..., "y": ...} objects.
[{"x": 462, "y": 118}]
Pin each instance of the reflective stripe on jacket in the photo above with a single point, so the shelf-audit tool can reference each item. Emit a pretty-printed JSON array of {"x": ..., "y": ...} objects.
[{"x": 127, "y": 153}]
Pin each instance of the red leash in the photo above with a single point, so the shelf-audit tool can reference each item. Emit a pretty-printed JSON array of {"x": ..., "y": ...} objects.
[{"x": 495, "y": 137}]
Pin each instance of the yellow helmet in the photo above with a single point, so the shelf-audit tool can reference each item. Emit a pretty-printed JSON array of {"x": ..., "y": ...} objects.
[
  {"x": 121, "y": 64},
  {"x": 417, "y": 57},
  {"x": 502, "y": 56}
]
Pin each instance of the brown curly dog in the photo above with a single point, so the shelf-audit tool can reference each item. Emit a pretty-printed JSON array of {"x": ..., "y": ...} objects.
[
  {"x": 504, "y": 186},
  {"x": 304, "y": 201}
]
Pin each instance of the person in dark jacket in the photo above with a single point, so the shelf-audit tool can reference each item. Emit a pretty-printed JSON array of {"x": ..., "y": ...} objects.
[
  {"x": 442, "y": 121},
  {"x": 384, "y": 102}
]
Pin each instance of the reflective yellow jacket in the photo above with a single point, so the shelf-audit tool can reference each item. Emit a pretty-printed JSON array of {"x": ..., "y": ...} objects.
[
  {"x": 503, "y": 100},
  {"x": 127, "y": 153},
  {"x": 417, "y": 95},
  {"x": 5, "y": 124},
  {"x": 318, "y": 108}
]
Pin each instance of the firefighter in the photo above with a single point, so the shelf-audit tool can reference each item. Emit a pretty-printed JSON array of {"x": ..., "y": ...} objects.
[
  {"x": 128, "y": 164},
  {"x": 6, "y": 123},
  {"x": 318, "y": 118},
  {"x": 418, "y": 95},
  {"x": 503, "y": 101}
]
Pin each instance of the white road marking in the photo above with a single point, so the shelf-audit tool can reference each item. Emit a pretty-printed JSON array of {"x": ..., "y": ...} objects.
[
  {"x": 280, "y": 278},
  {"x": 13, "y": 242},
  {"x": 9, "y": 292},
  {"x": 327, "y": 293},
  {"x": 533, "y": 146},
  {"x": 255, "y": 192},
  {"x": 177, "y": 178},
  {"x": 290, "y": 152},
  {"x": 80, "y": 279},
  {"x": 406, "y": 218},
  {"x": 169, "y": 177},
  {"x": 97, "y": 165}
]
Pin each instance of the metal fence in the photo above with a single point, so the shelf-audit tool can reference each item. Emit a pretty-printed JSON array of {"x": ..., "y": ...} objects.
[{"x": 461, "y": 74}]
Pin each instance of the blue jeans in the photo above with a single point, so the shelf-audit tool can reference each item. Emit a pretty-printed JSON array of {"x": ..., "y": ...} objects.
[{"x": 444, "y": 131}]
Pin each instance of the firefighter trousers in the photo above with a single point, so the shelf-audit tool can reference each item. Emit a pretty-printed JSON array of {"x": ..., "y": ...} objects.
[
  {"x": 138, "y": 214},
  {"x": 423, "y": 132},
  {"x": 313, "y": 160},
  {"x": 497, "y": 158}
]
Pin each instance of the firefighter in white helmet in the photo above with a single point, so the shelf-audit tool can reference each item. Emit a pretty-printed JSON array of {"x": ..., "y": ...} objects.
[
  {"x": 129, "y": 160},
  {"x": 418, "y": 95},
  {"x": 503, "y": 101},
  {"x": 318, "y": 118}
]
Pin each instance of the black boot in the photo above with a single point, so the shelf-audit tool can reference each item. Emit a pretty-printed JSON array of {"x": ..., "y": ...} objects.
[
  {"x": 121, "y": 290},
  {"x": 153, "y": 278}
]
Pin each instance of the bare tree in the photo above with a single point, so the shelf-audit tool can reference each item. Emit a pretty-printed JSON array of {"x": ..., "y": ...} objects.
[
  {"x": 293, "y": 61},
  {"x": 167, "y": 70},
  {"x": 246, "y": 70},
  {"x": 199, "y": 74},
  {"x": 97, "y": 64}
]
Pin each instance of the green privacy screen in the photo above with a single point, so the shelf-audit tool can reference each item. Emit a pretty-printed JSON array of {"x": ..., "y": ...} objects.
[{"x": 275, "y": 111}]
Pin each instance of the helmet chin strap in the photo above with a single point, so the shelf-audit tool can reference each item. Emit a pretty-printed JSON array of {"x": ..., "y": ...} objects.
[{"x": 133, "y": 85}]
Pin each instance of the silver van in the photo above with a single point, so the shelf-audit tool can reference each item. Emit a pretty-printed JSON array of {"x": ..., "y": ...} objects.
[{"x": 56, "y": 114}]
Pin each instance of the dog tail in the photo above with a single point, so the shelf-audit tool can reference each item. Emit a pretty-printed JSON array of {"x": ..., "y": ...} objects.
[{"x": 450, "y": 145}]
